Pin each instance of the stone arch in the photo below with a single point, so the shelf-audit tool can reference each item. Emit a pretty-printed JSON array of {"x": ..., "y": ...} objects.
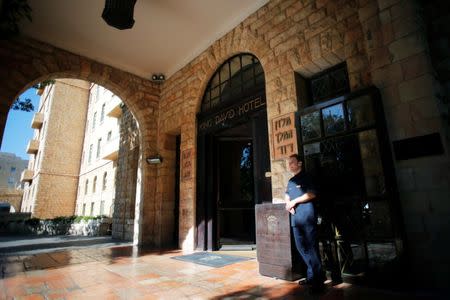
[
  {"x": 197, "y": 75},
  {"x": 238, "y": 41},
  {"x": 35, "y": 61},
  {"x": 25, "y": 62}
]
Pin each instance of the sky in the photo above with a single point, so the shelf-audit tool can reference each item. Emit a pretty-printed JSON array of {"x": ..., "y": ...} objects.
[{"x": 18, "y": 131}]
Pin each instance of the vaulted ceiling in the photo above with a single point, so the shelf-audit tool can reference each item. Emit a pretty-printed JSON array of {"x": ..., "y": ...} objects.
[{"x": 167, "y": 34}]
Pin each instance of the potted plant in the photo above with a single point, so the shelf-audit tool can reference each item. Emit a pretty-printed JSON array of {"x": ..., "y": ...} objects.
[{"x": 40, "y": 87}]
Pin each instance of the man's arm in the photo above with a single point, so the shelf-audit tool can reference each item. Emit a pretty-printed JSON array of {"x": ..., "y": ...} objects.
[
  {"x": 302, "y": 199},
  {"x": 289, "y": 208}
]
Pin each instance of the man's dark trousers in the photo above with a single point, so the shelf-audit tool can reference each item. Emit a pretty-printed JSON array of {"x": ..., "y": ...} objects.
[{"x": 306, "y": 241}]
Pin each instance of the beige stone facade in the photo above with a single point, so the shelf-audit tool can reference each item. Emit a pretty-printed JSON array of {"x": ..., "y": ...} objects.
[
  {"x": 11, "y": 168},
  {"x": 13, "y": 197},
  {"x": 51, "y": 179},
  {"x": 96, "y": 187},
  {"x": 90, "y": 135},
  {"x": 383, "y": 44}
]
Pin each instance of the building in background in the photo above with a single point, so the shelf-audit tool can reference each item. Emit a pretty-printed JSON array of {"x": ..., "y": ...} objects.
[
  {"x": 72, "y": 153},
  {"x": 96, "y": 187},
  {"x": 51, "y": 179},
  {"x": 11, "y": 189}
]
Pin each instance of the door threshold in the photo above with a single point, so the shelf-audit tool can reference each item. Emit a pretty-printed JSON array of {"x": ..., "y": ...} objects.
[{"x": 240, "y": 247}]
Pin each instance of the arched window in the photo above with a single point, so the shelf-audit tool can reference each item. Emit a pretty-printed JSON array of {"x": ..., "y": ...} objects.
[
  {"x": 102, "y": 114},
  {"x": 86, "y": 185},
  {"x": 105, "y": 178},
  {"x": 239, "y": 77},
  {"x": 94, "y": 184}
]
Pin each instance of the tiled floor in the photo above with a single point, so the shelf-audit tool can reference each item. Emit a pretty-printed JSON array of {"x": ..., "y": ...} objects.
[{"x": 125, "y": 273}]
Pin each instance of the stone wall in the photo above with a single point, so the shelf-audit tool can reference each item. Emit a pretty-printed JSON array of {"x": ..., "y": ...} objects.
[
  {"x": 126, "y": 176},
  {"x": 55, "y": 195},
  {"x": 437, "y": 21},
  {"x": 401, "y": 68},
  {"x": 59, "y": 156},
  {"x": 383, "y": 43},
  {"x": 287, "y": 37}
]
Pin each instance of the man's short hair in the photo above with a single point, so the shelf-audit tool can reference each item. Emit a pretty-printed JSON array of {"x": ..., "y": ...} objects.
[{"x": 296, "y": 156}]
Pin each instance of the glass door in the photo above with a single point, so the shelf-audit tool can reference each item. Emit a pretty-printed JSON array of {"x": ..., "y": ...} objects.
[
  {"x": 343, "y": 150},
  {"x": 236, "y": 202}
]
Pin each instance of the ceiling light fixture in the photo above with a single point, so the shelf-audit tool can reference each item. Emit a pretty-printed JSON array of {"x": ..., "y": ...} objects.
[{"x": 119, "y": 13}]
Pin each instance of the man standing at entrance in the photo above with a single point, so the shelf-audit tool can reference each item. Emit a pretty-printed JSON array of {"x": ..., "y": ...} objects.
[{"x": 299, "y": 198}]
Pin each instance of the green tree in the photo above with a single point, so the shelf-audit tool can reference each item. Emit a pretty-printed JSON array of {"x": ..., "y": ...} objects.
[{"x": 24, "y": 105}]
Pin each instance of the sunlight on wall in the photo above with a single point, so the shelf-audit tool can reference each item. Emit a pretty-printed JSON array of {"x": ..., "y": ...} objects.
[{"x": 188, "y": 244}]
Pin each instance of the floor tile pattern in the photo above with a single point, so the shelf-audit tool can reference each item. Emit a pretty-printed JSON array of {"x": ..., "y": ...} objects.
[{"x": 129, "y": 273}]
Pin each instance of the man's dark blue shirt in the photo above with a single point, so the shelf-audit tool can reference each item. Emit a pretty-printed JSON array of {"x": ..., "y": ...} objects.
[{"x": 297, "y": 186}]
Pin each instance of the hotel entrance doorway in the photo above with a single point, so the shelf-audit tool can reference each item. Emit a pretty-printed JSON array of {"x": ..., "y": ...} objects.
[
  {"x": 232, "y": 154},
  {"x": 231, "y": 181},
  {"x": 234, "y": 181}
]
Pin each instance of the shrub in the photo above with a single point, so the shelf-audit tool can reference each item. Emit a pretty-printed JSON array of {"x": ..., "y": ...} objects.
[{"x": 32, "y": 222}]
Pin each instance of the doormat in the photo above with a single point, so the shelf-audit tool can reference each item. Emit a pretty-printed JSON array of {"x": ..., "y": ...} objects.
[{"x": 211, "y": 259}]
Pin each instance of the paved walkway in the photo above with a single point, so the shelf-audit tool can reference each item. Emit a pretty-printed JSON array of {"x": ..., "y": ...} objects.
[
  {"x": 128, "y": 273},
  {"x": 31, "y": 244}
]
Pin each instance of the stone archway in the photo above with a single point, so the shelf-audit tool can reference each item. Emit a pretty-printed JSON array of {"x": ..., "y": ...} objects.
[
  {"x": 24, "y": 62},
  {"x": 184, "y": 91}
]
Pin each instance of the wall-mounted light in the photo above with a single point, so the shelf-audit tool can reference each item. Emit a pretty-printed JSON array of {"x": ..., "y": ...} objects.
[{"x": 154, "y": 159}]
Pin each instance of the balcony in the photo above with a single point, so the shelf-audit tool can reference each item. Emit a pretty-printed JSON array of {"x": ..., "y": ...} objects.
[
  {"x": 33, "y": 146},
  {"x": 27, "y": 175},
  {"x": 110, "y": 150},
  {"x": 113, "y": 108},
  {"x": 37, "y": 121}
]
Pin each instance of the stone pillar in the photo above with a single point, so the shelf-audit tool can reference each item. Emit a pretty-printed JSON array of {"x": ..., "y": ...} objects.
[{"x": 125, "y": 180}]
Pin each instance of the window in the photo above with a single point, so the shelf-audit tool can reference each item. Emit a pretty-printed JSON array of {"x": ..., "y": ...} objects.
[
  {"x": 94, "y": 120},
  {"x": 94, "y": 184},
  {"x": 84, "y": 209},
  {"x": 102, "y": 207},
  {"x": 239, "y": 77},
  {"x": 108, "y": 137},
  {"x": 10, "y": 182},
  {"x": 333, "y": 119},
  {"x": 105, "y": 178},
  {"x": 102, "y": 114},
  {"x": 90, "y": 153},
  {"x": 13, "y": 170},
  {"x": 86, "y": 185},
  {"x": 97, "y": 94},
  {"x": 99, "y": 143},
  {"x": 331, "y": 83},
  {"x": 92, "y": 208}
]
